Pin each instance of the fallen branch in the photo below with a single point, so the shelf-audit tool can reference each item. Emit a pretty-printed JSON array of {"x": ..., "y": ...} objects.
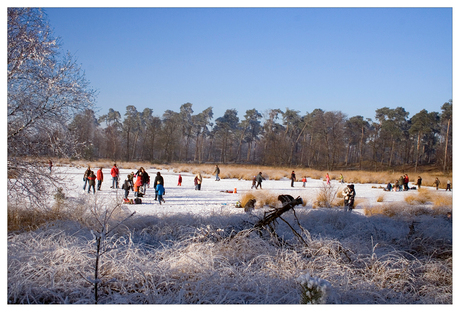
[
  {"x": 270, "y": 218},
  {"x": 272, "y": 215}
]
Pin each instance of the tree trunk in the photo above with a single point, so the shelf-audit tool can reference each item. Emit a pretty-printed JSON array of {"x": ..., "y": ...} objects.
[
  {"x": 391, "y": 153},
  {"x": 447, "y": 144},
  {"x": 361, "y": 148},
  {"x": 417, "y": 152}
]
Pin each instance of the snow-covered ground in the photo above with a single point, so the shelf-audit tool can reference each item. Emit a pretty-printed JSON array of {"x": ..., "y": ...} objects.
[
  {"x": 213, "y": 196},
  {"x": 198, "y": 247}
]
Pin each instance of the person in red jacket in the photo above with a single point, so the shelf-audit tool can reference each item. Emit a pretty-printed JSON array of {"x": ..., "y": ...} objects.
[
  {"x": 114, "y": 173},
  {"x": 138, "y": 184},
  {"x": 406, "y": 182},
  {"x": 100, "y": 178}
]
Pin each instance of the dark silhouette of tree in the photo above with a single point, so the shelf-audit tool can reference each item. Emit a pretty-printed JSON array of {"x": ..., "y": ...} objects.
[
  {"x": 131, "y": 130},
  {"x": 446, "y": 128},
  {"x": 356, "y": 133},
  {"x": 200, "y": 129},
  {"x": 249, "y": 133},
  {"x": 224, "y": 132},
  {"x": 186, "y": 127},
  {"x": 421, "y": 125},
  {"x": 170, "y": 135},
  {"x": 110, "y": 146}
]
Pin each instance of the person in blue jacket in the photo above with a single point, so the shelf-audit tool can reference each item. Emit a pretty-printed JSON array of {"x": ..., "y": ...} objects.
[{"x": 160, "y": 189}]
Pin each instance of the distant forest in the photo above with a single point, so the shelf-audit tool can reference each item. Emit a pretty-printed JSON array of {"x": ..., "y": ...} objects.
[
  {"x": 320, "y": 139},
  {"x": 51, "y": 114}
]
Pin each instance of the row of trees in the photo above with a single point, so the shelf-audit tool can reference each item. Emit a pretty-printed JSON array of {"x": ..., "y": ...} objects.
[{"x": 320, "y": 139}]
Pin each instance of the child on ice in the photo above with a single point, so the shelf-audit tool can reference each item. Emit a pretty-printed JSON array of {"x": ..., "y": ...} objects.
[
  {"x": 160, "y": 190},
  {"x": 304, "y": 181},
  {"x": 127, "y": 185}
]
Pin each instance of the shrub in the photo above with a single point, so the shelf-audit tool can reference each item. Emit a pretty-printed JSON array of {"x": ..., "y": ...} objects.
[{"x": 326, "y": 197}]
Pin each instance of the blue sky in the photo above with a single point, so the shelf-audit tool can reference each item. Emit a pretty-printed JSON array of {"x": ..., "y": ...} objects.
[{"x": 353, "y": 60}]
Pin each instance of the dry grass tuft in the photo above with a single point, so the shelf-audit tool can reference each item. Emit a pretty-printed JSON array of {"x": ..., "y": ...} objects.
[
  {"x": 422, "y": 196},
  {"x": 395, "y": 210},
  {"x": 246, "y": 197},
  {"x": 441, "y": 200},
  {"x": 389, "y": 210},
  {"x": 327, "y": 197},
  {"x": 380, "y": 198},
  {"x": 262, "y": 197}
]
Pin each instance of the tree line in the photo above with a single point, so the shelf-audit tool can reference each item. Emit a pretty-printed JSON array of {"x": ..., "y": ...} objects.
[
  {"x": 320, "y": 139},
  {"x": 51, "y": 114}
]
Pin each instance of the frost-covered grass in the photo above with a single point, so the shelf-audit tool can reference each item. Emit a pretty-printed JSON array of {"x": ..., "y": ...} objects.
[
  {"x": 197, "y": 259},
  {"x": 197, "y": 248}
]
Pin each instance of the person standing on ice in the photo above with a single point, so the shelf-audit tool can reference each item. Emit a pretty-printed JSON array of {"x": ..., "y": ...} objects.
[
  {"x": 160, "y": 190},
  {"x": 199, "y": 180},
  {"x": 436, "y": 183},
  {"x": 138, "y": 184},
  {"x": 100, "y": 178},
  {"x": 328, "y": 179},
  {"x": 259, "y": 179},
  {"x": 401, "y": 183},
  {"x": 448, "y": 187},
  {"x": 217, "y": 172},
  {"x": 292, "y": 178},
  {"x": 349, "y": 197},
  {"x": 145, "y": 179},
  {"x": 406, "y": 182},
  {"x": 114, "y": 172},
  {"x": 419, "y": 182},
  {"x": 158, "y": 179},
  {"x": 50, "y": 164},
  {"x": 91, "y": 182},
  {"x": 179, "y": 181},
  {"x": 396, "y": 186},
  {"x": 304, "y": 181},
  {"x": 127, "y": 185},
  {"x": 85, "y": 177},
  {"x": 254, "y": 181}
]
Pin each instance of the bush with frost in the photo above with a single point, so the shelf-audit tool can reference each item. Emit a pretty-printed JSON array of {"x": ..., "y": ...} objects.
[{"x": 313, "y": 289}]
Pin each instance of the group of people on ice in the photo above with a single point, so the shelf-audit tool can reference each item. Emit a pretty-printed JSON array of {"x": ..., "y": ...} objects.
[
  {"x": 139, "y": 187},
  {"x": 402, "y": 184},
  {"x": 90, "y": 179}
]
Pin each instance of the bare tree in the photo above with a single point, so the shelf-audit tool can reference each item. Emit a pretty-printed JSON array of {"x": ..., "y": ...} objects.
[{"x": 43, "y": 96}]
